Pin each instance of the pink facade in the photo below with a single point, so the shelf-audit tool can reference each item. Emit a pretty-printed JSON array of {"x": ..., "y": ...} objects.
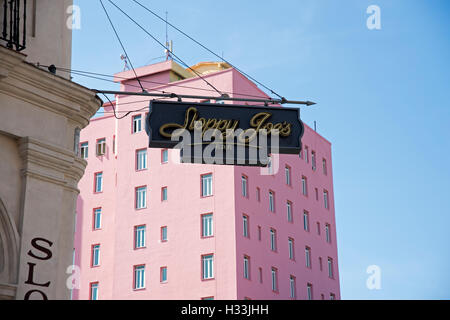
[{"x": 181, "y": 254}]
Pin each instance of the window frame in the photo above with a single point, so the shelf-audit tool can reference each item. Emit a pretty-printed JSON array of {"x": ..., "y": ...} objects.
[
  {"x": 143, "y": 238},
  {"x": 94, "y": 219},
  {"x": 136, "y": 196},
  {"x": 203, "y": 258},
  {"x": 133, "y": 121},
  {"x": 100, "y": 147},
  {"x": 135, "y": 270},
  {"x": 202, "y": 225},
  {"x": 145, "y": 167},
  {"x": 202, "y": 177}
]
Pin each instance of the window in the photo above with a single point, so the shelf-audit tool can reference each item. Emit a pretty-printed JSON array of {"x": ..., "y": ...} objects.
[
  {"x": 93, "y": 288},
  {"x": 207, "y": 225},
  {"x": 137, "y": 124},
  {"x": 309, "y": 293},
  {"x": 244, "y": 181},
  {"x": 304, "y": 186},
  {"x": 245, "y": 226},
  {"x": 274, "y": 279},
  {"x": 306, "y": 155},
  {"x": 208, "y": 298},
  {"x": 164, "y": 156},
  {"x": 139, "y": 277},
  {"x": 292, "y": 293},
  {"x": 101, "y": 147},
  {"x": 287, "y": 172},
  {"x": 308, "y": 257},
  {"x": 325, "y": 198},
  {"x": 98, "y": 182},
  {"x": 164, "y": 194},
  {"x": 313, "y": 160},
  {"x": 327, "y": 233},
  {"x": 141, "y": 197},
  {"x": 317, "y": 194},
  {"x": 97, "y": 218},
  {"x": 289, "y": 211},
  {"x": 246, "y": 267},
  {"x": 291, "y": 248},
  {"x": 163, "y": 273},
  {"x": 95, "y": 255},
  {"x": 163, "y": 234},
  {"x": 259, "y": 233},
  {"x": 141, "y": 159},
  {"x": 258, "y": 194},
  {"x": 273, "y": 240},
  {"x": 318, "y": 228},
  {"x": 320, "y": 264},
  {"x": 208, "y": 266},
  {"x": 139, "y": 237},
  {"x": 84, "y": 148},
  {"x": 270, "y": 166},
  {"x": 206, "y": 185},
  {"x": 305, "y": 220},
  {"x": 332, "y": 296},
  {"x": 330, "y": 267},
  {"x": 271, "y": 201},
  {"x": 260, "y": 275},
  {"x": 324, "y": 166},
  {"x": 322, "y": 296}
]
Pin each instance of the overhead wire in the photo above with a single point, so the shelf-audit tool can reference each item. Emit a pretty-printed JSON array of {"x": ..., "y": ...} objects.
[
  {"x": 161, "y": 44},
  {"x": 207, "y": 49}
]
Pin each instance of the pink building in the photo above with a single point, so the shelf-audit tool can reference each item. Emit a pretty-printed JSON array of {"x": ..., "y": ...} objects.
[{"x": 151, "y": 228}]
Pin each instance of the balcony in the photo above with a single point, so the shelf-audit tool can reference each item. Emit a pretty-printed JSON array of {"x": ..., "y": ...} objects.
[{"x": 13, "y": 19}]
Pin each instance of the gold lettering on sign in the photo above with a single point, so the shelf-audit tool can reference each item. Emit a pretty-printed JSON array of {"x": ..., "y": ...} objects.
[{"x": 257, "y": 123}]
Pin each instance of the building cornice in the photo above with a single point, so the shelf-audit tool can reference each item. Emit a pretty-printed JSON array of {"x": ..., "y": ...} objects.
[{"x": 43, "y": 89}]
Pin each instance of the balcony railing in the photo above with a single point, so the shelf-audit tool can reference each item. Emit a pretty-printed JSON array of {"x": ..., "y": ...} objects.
[{"x": 13, "y": 19}]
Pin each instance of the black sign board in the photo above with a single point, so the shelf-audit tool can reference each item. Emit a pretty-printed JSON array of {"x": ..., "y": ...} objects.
[{"x": 224, "y": 133}]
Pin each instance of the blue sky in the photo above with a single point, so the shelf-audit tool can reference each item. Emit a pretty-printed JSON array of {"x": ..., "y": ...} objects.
[{"x": 383, "y": 101}]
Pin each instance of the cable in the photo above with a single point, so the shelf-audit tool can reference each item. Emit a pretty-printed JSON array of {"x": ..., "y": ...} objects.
[
  {"x": 114, "y": 109},
  {"x": 207, "y": 49},
  {"x": 173, "y": 54},
  {"x": 80, "y": 72},
  {"x": 121, "y": 44}
]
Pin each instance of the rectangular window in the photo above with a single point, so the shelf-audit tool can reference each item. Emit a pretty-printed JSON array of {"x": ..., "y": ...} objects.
[
  {"x": 292, "y": 291},
  {"x": 289, "y": 211},
  {"x": 163, "y": 234},
  {"x": 95, "y": 255},
  {"x": 306, "y": 154},
  {"x": 139, "y": 277},
  {"x": 287, "y": 173},
  {"x": 244, "y": 183},
  {"x": 141, "y": 159},
  {"x": 97, "y": 218},
  {"x": 324, "y": 166},
  {"x": 246, "y": 267},
  {"x": 164, "y": 194},
  {"x": 84, "y": 150},
  {"x": 304, "y": 186},
  {"x": 207, "y": 225},
  {"x": 259, "y": 233},
  {"x": 206, "y": 185},
  {"x": 313, "y": 160},
  {"x": 208, "y": 266},
  {"x": 271, "y": 201},
  {"x": 139, "y": 237},
  {"x": 141, "y": 197},
  {"x": 320, "y": 264},
  {"x": 245, "y": 226},
  {"x": 208, "y": 298},
  {"x": 101, "y": 147},
  {"x": 260, "y": 275},
  {"x": 309, "y": 292},
  {"x": 93, "y": 288},
  {"x": 164, "y": 156},
  {"x": 330, "y": 267},
  {"x": 291, "y": 248},
  {"x": 318, "y": 228},
  {"x": 98, "y": 182},
  {"x": 325, "y": 198},
  {"x": 327, "y": 233},
  {"x": 308, "y": 257},
  {"x": 305, "y": 220},
  {"x": 332, "y": 296},
  {"x": 273, "y": 239},
  {"x": 137, "y": 123},
  {"x": 274, "y": 279},
  {"x": 163, "y": 273},
  {"x": 317, "y": 194},
  {"x": 258, "y": 194}
]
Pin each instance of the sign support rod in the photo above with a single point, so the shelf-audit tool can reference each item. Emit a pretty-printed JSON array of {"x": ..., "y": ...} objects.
[{"x": 186, "y": 96}]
